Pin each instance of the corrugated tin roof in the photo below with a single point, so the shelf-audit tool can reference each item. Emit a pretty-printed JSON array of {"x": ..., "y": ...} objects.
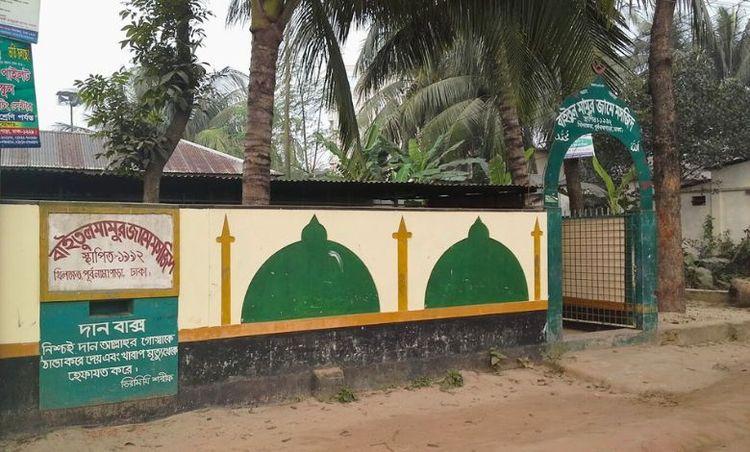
[
  {"x": 77, "y": 152},
  {"x": 376, "y": 183}
]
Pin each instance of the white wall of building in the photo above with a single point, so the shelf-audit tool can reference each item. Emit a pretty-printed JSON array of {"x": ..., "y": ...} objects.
[{"x": 727, "y": 199}]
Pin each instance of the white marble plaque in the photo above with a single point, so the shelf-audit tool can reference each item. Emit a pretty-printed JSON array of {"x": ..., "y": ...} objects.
[{"x": 110, "y": 252}]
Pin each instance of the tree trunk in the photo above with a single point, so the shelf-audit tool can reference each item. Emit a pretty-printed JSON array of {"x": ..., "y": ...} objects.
[
  {"x": 287, "y": 116},
  {"x": 180, "y": 117},
  {"x": 152, "y": 181},
  {"x": 303, "y": 102},
  {"x": 670, "y": 280},
  {"x": 572, "y": 170},
  {"x": 155, "y": 168},
  {"x": 512, "y": 134},
  {"x": 267, "y": 30}
]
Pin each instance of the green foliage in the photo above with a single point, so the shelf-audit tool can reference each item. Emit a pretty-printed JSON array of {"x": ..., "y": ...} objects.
[
  {"x": 497, "y": 358},
  {"x": 420, "y": 382},
  {"x": 711, "y": 77},
  {"x": 380, "y": 159},
  {"x": 529, "y": 156},
  {"x": 711, "y": 116},
  {"x": 729, "y": 45},
  {"x": 162, "y": 36},
  {"x": 453, "y": 77},
  {"x": 691, "y": 275},
  {"x": 708, "y": 240},
  {"x": 498, "y": 171},
  {"x": 718, "y": 245},
  {"x": 345, "y": 395},
  {"x": 300, "y": 112},
  {"x": 713, "y": 244},
  {"x": 132, "y": 129},
  {"x": 369, "y": 164},
  {"x": 739, "y": 263},
  {"x": 220, "y": 117},
  {"x": 314, "y": 30},
  {"x": 141, "y": 113},
  {"x": 616, "y": 194},
  {"x": 427, "y": 164},
  {"x": 453, "y": 379}
]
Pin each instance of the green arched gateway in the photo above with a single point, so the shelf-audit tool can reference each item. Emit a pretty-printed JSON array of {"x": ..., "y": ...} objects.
[
  {"x": 476, "y": 270},
  {"x": 597, "y": 110},
  {"x": 314, "y": 277}
]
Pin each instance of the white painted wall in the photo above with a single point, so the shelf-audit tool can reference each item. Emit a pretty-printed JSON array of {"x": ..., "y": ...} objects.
[
  {"x": 727, "y": 200},
  {"x": 19, "y": 273},
  {"x": 259, "y": 233}
]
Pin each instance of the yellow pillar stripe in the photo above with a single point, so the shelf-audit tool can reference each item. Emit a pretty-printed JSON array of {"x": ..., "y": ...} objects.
[
  {"x": 225, "y": 239},
  {"x": 402, "y": 236},
  {"x": 537, "y": 234}
]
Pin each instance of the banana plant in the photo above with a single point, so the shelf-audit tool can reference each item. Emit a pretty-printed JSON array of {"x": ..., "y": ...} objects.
[
  {"x": 420, "y": 164},
  {"x": 369, "y": 162},
  {"x": 497, "y": 170},
  {"x": 615, "y": 194}
]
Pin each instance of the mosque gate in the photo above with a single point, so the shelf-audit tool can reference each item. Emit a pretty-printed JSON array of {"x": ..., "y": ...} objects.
[{"x": 601, "y": 266}]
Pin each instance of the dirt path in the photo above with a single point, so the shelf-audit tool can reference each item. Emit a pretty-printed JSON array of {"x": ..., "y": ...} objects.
[{"x": 524, "y": 409}]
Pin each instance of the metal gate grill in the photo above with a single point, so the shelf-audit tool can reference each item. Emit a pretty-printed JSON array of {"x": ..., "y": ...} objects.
[{"x": 598, "y": 262}]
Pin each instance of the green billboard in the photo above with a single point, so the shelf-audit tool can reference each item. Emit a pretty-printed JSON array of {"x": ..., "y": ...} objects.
[{"x": 19, "y": 124}]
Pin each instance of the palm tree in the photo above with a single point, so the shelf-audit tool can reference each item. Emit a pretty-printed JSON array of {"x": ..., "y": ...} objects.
[
  {"x": 667, "y": 166},
  {"x": 490, "y": 73},
  {"x": 300, "y": 110},
  {"x": 671, "y": 282},
  {"x": 218, "y": 119},
  {"x": 317, "y": 27},
  {"x": 729, "y": 45},
  {"x": 447, "y": 97}
]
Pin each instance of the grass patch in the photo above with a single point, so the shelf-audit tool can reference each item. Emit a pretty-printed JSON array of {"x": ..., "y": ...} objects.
[
  {"x": 421, "y": 382},
  {"x": 452, "y": 379},
  {"x": 346, "y": 395}
]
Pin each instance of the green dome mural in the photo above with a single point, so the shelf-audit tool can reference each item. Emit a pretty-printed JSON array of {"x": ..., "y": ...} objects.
[
  {"x": 314, "y": 277},
  {"x": 476, "y": 270}
]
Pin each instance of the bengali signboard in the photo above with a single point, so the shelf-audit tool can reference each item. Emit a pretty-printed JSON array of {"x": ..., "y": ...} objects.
[
  {"x": 99, "y": 253},
  {"x": 599, "y": 111},
  {"x": 581, "y": 147},
  {"x": 19, "y": 123},
  {"x": 19, "y": 19},
  {"x": 90, "y": 359}
]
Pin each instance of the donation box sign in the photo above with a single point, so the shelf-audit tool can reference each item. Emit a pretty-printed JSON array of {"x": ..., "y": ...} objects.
[
  {"x": 105, "y": 253},
  {"x": 89, "y": 356}
]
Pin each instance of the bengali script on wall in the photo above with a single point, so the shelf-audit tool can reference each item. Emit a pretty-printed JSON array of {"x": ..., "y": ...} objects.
[{"x": 107, "y": 252}]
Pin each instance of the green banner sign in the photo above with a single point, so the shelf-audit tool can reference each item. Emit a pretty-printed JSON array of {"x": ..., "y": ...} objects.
[
  {"x": 19, "y": 124},
  {"x": 91, "y": 355}
]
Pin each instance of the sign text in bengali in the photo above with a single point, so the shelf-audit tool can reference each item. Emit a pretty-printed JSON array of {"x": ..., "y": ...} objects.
[
  {"x": 87, "y": 360},
  {"x": 94, "y": 252}
]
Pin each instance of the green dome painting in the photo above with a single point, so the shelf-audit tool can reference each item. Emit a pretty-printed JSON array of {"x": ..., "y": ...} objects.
[
  {"x": 314, "y": 277},
  {"x": 476, "y": 270}
]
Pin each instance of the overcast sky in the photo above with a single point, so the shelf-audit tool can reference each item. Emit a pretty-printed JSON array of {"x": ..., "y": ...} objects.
[{"x": 81, "y": 37}]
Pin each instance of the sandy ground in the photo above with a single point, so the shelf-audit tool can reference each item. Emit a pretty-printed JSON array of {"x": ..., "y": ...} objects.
[
  {"x": 533, "y": 408},
  {"x": 700, "y": 312}
]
